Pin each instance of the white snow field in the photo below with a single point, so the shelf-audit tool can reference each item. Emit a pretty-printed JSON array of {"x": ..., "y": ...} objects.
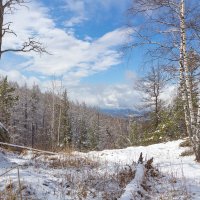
[{"x": 108, "y": 174}]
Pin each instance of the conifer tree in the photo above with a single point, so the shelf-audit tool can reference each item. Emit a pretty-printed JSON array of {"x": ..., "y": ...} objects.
[
  {"x": 34, "y": 110},
  {"x": 65, "y": 127},
  {"x": 7, "y": 100},
  {"x": 83, "y": 135}
]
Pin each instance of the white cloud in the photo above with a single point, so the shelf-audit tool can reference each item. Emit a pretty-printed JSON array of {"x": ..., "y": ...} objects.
[
  {"x": 131, "y": 76},
  {"x": 121, "y": 5},
  {"x": 77, "y": 8},
  {"x": 72, "y": 58},
  {"x": 16, "y": 76},
  {"x": 169, "y": 93},
  {"x": 106, "y": 96},
  {"x": 83, "y": 10},
  {"x": 70, "y": 55}
]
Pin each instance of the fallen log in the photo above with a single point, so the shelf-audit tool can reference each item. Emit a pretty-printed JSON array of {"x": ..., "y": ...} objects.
[
  {"x": 28, "y": 148},
  {"x": 134, "y": 189}
]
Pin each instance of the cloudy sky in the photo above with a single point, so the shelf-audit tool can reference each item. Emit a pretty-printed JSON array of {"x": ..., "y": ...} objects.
[{"x": 84, "y": 38}]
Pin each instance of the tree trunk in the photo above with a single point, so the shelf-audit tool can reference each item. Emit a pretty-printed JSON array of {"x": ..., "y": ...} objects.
[
  {"x": 1, "y": 24},
  {"x": 53, "y": 116},
  {"x": 59, "y": 124},
  {"x": 32, "y": 135},
  {"x": 184, "y": 98},
  {"x": 191, "y": 123},
  {"x": 197, "y": 150},
  {"x": 185, "y": 65}
]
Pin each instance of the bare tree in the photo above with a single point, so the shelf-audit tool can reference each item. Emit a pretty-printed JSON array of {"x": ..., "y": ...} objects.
[
  {"x": 152, "y": 86},
  {"x": 8, "y": 7}
]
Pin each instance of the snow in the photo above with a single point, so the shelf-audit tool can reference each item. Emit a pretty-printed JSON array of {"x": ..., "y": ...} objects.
[
  {"x": 96, "y": 175},
  {"x": 166, "y": 158}
]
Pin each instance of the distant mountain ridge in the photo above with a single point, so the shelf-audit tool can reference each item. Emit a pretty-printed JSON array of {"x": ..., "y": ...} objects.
[{"x": 120, "y": 112}]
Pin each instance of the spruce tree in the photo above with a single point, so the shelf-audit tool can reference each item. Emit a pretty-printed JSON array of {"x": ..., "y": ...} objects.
[
  {"x": 83, "y": 135},
  {"x": 65, "y": 128},
  {"x": 7, "y": 101},
  {"x": 34, "y": 113}
]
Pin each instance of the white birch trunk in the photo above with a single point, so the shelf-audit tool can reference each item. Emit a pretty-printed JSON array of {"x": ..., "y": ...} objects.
[
  {"x": 185, "y": 65},
  {"x": 185, "y": 100},
  {"x": 183, "y": 88},
  {"x": 194, "y": 134}
]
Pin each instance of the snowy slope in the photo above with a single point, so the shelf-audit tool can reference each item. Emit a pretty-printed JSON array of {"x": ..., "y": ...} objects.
[
  {"x": 100, "y": 175},
  {"x": 166, "y": 158}
]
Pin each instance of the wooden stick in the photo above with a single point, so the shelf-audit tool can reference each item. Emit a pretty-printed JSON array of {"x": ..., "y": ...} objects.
[
  {"x": 20, "y": 188},
  {"x": 9, "y": 171}
]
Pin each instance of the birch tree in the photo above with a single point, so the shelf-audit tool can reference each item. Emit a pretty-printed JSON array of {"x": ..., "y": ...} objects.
[
  {"x": 193, "y": 122},
  {"x": 170, "y": 29}
]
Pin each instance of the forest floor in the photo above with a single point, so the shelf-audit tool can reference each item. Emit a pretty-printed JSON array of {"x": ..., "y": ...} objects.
[{"x": 107, "y": 174}]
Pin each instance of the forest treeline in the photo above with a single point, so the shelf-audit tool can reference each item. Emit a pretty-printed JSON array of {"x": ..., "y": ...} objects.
[{"x": 50, "y": 121}]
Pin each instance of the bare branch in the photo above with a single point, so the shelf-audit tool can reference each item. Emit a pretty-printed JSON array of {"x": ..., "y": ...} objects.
[
  {"x": 8, "y": 7},
  {"x": 6, "y": 29},
  {"x": 30, "y": 45},
  {"x": 11, "y": 5}
]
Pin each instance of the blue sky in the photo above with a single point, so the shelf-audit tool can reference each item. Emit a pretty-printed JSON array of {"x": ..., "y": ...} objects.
[{"x": 84, "y": 38}]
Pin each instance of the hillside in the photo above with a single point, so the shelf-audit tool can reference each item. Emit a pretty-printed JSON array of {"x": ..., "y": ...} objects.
[
  {"x": 121, "y": 112},
  {"x": 100, "y": 100},
  {"x": 107, "y": 174}
]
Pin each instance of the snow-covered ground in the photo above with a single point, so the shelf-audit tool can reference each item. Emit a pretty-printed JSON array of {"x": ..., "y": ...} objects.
[{"x": 100, "y": 175}]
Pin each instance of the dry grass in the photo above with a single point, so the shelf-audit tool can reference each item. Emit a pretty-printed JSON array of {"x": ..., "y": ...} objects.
[
  {"x": 85, "y": 178},
  {"x": 105, "y": 186},
  {"x": 185, "y": 143},
  {"x": 10, "y": 149},
  {"x": 71, "y": 162},
  {"x": 11, "y": 191},
  {"x": 125, "y": 176},
  {"x": 80, "y": 177},
  {"x": 187, "y": 152}
]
